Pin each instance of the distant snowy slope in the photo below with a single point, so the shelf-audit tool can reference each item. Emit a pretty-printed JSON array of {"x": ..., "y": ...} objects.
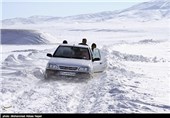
[
  {"x": 18, "y": 36},
  {"x": 155, "y": 4},
  {"x": 101, "y": 16},
  {"x": 152, "y": 10},
  {"x": 29, "y": 20}
]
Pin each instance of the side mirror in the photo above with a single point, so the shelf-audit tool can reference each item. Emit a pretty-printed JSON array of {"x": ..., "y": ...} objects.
[
  {"x": 49, "y": 55},
  {"x": 96, "y": 59}
]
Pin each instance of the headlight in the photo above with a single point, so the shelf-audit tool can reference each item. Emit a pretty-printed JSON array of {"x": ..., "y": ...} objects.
[
  {"x": 52, "y": 66},
  {"x": 83, "y": 69}
]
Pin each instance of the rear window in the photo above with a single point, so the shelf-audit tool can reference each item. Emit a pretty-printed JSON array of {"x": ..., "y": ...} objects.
[{"x": 72, "y": 52}]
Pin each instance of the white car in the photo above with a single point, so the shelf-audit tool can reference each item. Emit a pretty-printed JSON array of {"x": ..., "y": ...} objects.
[{"x": 73, "y": 61}]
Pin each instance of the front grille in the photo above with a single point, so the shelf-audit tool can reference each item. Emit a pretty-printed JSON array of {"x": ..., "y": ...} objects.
[{"x": 68, "y": 68}]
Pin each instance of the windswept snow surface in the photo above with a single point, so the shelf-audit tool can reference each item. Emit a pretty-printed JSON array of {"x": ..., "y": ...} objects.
[
  {"x": 135, "y": 43},
  {"x": 134, "y": 82}
]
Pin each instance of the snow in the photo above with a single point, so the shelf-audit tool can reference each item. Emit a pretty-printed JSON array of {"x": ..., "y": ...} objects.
[
  {"x": 152, "y": 10},
  {"x": 136, "y": 79},
  {"x": 135, "y": 84},
  {"x": 22, "y": 36}
]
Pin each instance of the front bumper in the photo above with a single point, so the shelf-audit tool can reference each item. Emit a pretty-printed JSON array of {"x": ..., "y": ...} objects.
[{"x": 62, "y": 73}]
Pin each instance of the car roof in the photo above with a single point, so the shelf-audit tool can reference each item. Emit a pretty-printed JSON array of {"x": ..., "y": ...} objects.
[{"x": 74, "y": 45}]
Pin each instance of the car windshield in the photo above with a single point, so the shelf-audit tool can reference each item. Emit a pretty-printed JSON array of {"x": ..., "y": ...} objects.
[{"x": 72, "y": 52}]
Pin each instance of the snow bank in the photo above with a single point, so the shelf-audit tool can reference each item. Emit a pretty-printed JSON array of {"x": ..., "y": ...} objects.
[
  {"x": 132, "y": 83},
  {"x": 22, "y": 36}
]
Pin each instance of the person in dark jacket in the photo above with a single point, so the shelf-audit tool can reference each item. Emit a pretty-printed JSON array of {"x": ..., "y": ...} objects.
[{"x": 84, "y": 42}]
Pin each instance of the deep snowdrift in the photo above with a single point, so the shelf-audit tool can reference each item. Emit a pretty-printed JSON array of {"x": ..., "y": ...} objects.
[
  {"x": 22, "y": 36},
  {"x": 133, "y": 82}
]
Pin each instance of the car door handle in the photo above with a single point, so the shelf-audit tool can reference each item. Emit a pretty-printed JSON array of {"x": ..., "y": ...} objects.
[{"x": 100, "y": 62}]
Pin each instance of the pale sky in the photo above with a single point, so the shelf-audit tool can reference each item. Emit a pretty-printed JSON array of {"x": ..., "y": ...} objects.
[{"x": 60, "y": 8}]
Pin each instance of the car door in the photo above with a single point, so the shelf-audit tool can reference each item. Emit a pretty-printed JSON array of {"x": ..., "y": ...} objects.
[{"x": 99, "y": 64}]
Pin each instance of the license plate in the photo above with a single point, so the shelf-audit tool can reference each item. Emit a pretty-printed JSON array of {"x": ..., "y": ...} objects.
[{"x": 68, "y": 73}]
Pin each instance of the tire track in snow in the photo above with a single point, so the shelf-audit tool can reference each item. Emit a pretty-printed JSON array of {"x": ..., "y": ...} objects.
[{"x": 90, "y": 94}]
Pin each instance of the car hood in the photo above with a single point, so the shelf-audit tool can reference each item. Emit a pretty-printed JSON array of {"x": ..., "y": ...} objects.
[{"x": 70, "y": 62}]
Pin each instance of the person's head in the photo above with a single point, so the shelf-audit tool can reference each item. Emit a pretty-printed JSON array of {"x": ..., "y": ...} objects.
[
  {"x": 84, "y": 40},
  {"x": 93, "y": 46},
  {"x": 64, "y": 42}
]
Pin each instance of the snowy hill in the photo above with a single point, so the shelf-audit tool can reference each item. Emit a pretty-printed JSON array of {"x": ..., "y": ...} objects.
[
  {"x": 136, "y": 53},
  {"x": 16, "y": 36},
  {"x": 157, "y": 4},
  {"x": 153, "y": 10},
  {"x": 150, "y": 19},
  {"x": 29, "y": 20}
]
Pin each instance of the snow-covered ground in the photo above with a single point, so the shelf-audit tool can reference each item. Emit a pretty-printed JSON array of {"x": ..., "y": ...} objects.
[{"x": 136, "y": 80}]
